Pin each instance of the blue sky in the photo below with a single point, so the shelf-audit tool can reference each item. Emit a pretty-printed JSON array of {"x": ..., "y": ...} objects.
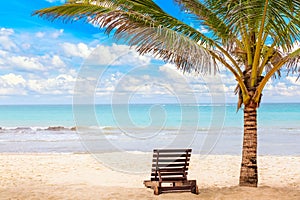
[{"x": 40, "y": 61}]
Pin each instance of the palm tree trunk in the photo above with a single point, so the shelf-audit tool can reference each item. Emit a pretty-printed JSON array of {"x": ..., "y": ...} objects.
[{"x": 248, "y": 174}]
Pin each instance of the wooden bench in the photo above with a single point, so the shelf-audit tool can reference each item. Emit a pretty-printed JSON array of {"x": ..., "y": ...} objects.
[{"x": 169, "y": 171}]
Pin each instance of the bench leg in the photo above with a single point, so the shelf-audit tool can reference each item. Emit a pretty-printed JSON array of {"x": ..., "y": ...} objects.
[
  {"x": 194, "y": 187},
  {"x": 157, "y": 190}
]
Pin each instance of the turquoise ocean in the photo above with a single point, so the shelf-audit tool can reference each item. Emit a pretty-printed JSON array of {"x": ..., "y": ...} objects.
[{"x": 214, "y": 129}]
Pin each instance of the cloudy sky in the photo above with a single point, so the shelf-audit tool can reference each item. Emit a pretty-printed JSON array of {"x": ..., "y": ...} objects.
[{"x": 44, "y": 62}]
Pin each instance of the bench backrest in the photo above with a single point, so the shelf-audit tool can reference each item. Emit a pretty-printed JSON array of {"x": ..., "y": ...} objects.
[{"x": 173, "y": 163}]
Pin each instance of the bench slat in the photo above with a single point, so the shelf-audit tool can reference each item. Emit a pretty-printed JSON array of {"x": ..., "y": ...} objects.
[
  {"x": 169, "y": 169},
  {"x": 170, "y": 160},
  {"x": 170, "y": 179},
  {"x": 171, "y": 155},
  {"x": 170, "y": 165},
  {"x": 173, "y": 179},
  {"x": 171, "y": 150},
  {"x": 169, "y": 174}
]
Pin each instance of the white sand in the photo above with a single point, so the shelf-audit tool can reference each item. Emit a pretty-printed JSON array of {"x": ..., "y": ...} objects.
[{"x": 81, "y": 176}]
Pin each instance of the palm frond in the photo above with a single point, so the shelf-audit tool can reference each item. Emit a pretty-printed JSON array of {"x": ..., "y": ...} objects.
[
  {"x": 272, "y": 59},
  {"x": 207, "y": 17},
  {"x": 254, "y": 36},
  {"x": 293, "y": 65},
  {"x": 147, "y": 36},
  {"x": 148, "y": 30},
  {"x": 72, "y": 12}
]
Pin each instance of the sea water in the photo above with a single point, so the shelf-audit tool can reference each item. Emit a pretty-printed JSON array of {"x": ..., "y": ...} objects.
[{"x": 208, "y": 129}]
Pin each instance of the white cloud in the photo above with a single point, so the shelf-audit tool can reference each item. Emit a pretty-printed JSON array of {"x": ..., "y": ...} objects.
[
  {"x": 12, "y": 91},
  {"x": 52, "y": 69},
  {"x": 5, "y": 40},
  {"x": 106, "y": 55},
  {"x": 281, "y": 89},
  {"x": 61, "y": 84},
  {"x": 12, "y": 84},
  {"x": 140, "y": 83},
  {"x": 293, "y": 80},
  {"x": 12, "y": 80},
  {"x": 3, "y": 53},
  {"x": 26, "y": 63},
  {"x": 40, "y": 34},
  {"x": 57, "y": 33},
  {"x": 78, "y": 50},
  {"x": 55, "y": 1},
  {"x": 53, "y": 34},
  {"x": 57, "y": 62},
  {"x": 34, "y": 55}
]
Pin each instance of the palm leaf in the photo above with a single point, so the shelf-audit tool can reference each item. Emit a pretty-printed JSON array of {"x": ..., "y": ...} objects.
[
  {"x": 241, "y": 30},
  {"x": 206, "y": 17},
  {"x": 169, "y": 39},
  {"x": 293, "y": 65}
]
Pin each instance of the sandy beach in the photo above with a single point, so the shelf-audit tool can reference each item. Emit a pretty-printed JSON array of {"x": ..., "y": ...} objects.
[{"x": 81, "y": 176}]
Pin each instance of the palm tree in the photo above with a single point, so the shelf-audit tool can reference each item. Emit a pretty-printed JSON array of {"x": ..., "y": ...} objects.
[{"x": 253, "y": 39}]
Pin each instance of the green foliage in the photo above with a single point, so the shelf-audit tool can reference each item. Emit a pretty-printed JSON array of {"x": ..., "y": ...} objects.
[{"x": 254, "y": 39}]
